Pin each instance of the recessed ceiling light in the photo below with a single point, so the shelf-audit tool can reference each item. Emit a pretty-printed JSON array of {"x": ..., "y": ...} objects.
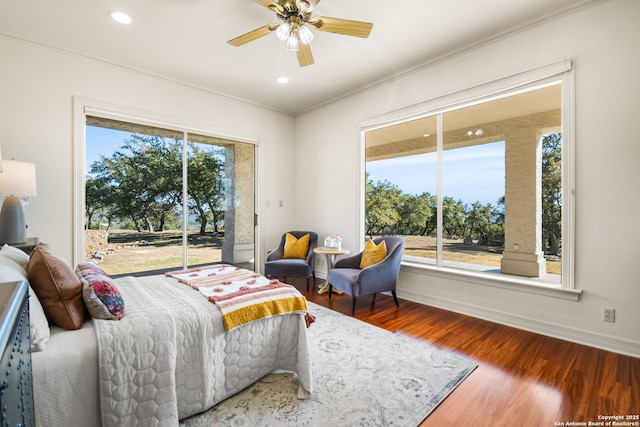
[
  {"x": 120, "y": 17},
  {"x": 282, "y": 80},
  {"x": 427, "y": 135}
]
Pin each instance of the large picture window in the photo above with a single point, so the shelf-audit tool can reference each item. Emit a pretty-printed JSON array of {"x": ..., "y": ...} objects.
[{"x": 476, "y": 186}]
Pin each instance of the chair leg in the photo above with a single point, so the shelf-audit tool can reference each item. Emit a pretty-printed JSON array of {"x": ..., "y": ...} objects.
[
  {"x": 395, "y": 298},
  {"x": 353, "y": 306},
  {"x": 307, "y": 283},
  {"x": 330, "y": 288}
]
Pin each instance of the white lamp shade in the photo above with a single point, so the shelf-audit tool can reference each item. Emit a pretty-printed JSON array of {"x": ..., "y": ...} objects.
[
  {"x": 18, "y": 179},
  {"x": 292, "y": 43},
  {"x": 306, "y": 36},
  {"x": 283, "y": 30}
]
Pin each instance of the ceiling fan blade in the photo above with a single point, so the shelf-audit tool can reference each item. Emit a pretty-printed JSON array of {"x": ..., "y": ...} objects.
[
  {"x": 270, "y": 4},
  {"x": 252, "y": 35},
  {"x": 342, "y": 26},
  {"x": 304, "y": 55}
]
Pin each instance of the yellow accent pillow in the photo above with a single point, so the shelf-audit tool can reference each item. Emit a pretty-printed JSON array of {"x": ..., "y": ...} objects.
[
  {"x": 373, "y": 253},
  {"x": 296, "y": 248}
]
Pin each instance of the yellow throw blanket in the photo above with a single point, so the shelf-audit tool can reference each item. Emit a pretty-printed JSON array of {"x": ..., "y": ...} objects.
[{"x": 242, "y": 295}]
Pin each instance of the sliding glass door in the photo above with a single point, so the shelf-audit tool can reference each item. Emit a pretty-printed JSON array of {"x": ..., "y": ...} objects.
[{"x": 159, "y": 199}]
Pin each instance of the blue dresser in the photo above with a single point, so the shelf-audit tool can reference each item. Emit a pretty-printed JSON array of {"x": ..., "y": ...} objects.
[{"x": 16, "y": 387}]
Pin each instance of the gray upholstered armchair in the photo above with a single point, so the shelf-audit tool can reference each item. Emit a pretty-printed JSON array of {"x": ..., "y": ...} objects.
[
  {"x": 276, "y": 265},
  {"x": 349, "y": 278}
]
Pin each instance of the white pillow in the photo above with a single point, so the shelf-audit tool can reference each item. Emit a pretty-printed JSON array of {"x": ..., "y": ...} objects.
[
  {"x": 39, "y": 325},
  {"x": 10, "y": 270},
  {"x": 16, "y": 255}
]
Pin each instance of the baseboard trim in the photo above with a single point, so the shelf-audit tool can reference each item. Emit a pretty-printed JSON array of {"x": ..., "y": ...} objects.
[{"x": 578, "y": 336}]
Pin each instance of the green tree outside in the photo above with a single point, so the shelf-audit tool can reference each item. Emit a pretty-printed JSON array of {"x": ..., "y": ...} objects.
[{"x": 140, "y": 185}]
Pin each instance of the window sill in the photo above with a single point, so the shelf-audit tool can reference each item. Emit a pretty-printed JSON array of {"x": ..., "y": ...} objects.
[{"x": 502, "y": 281}]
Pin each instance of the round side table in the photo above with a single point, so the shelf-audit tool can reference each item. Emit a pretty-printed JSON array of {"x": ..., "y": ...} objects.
[{"x": 330, "y": 254}]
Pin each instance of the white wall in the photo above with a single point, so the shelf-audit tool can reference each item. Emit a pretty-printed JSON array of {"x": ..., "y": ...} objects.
[
  {"x": 602, "y": 41},
  {"x": 37, "y": 87}
]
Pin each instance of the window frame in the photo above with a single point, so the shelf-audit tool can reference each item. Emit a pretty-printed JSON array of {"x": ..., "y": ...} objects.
[{"x": 560, "y": 71}]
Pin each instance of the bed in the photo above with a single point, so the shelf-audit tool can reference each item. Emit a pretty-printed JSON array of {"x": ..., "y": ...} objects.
[{"x": 169, "y": 357}]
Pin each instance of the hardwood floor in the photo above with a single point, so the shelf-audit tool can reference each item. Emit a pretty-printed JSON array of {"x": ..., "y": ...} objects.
[{"x": 523, "y": 379}]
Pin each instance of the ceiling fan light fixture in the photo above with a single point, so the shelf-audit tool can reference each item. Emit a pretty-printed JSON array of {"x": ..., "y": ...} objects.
[
  {"x": 292, "y": 42},
  {"x": 306, "y": 36},
  {"x": 294, "y": 15},
  {"x": 283, "y": 31},
  {"x": 304, "y": 5}
]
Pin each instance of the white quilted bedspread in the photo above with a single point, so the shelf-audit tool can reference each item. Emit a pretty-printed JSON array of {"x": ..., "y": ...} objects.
[{"x": 170, "y": 357}]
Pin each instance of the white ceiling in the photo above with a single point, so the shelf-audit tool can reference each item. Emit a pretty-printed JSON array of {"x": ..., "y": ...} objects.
[{"x": 185, "y": 40}]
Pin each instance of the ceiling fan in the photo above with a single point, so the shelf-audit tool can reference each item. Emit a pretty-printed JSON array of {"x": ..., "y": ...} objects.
[{"x": 295, "y": 20}]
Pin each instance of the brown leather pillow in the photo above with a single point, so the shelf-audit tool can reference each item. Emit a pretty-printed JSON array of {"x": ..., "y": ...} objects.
[{"x": 57, "y": 287}]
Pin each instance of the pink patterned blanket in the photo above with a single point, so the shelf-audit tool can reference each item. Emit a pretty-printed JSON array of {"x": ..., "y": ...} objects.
[{"x": 242, "y": 295}]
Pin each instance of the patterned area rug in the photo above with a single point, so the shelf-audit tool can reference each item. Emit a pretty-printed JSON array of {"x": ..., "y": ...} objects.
[{"x": 362, "y": 375}]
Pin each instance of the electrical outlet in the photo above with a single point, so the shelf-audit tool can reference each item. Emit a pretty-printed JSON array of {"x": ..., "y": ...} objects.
[{"x": 609, "y": 314}]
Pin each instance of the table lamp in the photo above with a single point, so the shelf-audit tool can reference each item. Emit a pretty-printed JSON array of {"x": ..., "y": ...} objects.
[{"x": 18, "y": 179}]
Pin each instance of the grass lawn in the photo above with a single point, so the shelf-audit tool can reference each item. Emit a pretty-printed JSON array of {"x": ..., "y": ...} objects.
[
  {"x": 454, "y": 250},
  {"x": 131, "y": 252}
]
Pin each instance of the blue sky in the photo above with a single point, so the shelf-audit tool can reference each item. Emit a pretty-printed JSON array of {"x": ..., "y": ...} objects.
[
  {"x": 471, "y": 174},
  {"x": 102, "y": 142}
]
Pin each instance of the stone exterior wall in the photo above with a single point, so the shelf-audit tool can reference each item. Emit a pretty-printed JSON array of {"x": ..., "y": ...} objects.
[{"x": 239, "y": 228}]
